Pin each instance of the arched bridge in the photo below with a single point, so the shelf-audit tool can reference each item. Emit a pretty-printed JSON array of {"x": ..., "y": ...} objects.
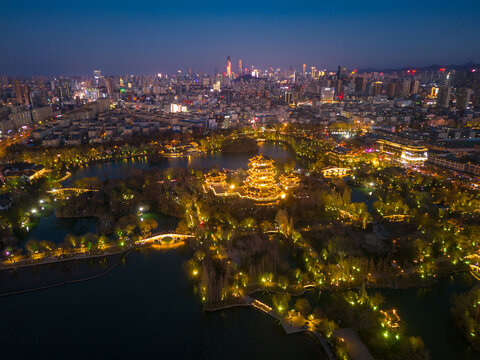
[
  {"x": 76, "y": 191},
  {"x": 164, "y": 239}
]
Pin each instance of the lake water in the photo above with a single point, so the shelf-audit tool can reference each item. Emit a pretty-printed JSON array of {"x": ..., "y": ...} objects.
[{"x": 145, "y": 307}]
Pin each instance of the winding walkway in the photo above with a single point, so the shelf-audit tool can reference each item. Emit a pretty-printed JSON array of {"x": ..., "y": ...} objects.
[{"x": 289, "y": 327}]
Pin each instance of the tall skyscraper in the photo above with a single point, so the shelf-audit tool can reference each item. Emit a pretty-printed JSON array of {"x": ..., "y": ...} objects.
[
  {"x": 463, "y": 98},
  {"x": 314, "y": 72},
  {"x": 304, "y": 68},
  {"x": 18, "y": 92},
  {"x": 240, "y": 67},
  {"x": 402, "y": 87},
  {"x": 391, "y": 89},
  {"x": 414, "y": 87},
  {"x": 229, "y": 67},
  {"x": 109, "y": 84},
  {"x": 342, "y": 72},
  {"x": 360, "y": 85},
  {"x": 443, "y": 97},
  {"x": 377, "y": 89}
]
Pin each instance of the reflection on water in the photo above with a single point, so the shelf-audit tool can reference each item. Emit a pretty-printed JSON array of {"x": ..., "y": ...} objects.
[
  {"x": 147, "y": 306},
  {"x": 143, "y": 309},
  {"x": 115, "y": 169}
]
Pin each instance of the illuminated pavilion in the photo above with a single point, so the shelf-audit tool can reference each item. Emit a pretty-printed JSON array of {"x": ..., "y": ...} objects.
[{"x": 261, "y": 185}]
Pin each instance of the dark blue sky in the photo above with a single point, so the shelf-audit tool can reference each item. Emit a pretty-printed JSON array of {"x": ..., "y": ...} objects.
[{"x": 141, "y": 37}]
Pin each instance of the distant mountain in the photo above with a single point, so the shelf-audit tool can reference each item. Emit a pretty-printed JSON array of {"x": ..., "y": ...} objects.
[
  {"x": 464, "y": 67},
  {"x": 247, "y": 78}
]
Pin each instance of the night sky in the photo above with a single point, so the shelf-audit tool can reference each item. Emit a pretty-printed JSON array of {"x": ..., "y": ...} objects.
[{"x": 146, "y": 37}]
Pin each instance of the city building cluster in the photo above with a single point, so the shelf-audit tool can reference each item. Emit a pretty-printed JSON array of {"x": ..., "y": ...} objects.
[{"x": 414, "y": 116}]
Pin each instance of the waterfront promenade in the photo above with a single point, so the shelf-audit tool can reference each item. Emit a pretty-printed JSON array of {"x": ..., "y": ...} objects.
[
  {"x": 291, "y": 325},
  {"x": 158, "y": 242}
]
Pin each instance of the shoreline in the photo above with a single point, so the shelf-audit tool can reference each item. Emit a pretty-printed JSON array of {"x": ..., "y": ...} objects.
[{"x": 71, "y": 281}]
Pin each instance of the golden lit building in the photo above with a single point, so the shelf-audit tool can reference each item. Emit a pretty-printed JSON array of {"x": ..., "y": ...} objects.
[
  {"x": 261, "y": 184},
  {"x": 405, "y": 153},
  {"x": 288, "y": 181},
  {"x": 334, "y": 172}
]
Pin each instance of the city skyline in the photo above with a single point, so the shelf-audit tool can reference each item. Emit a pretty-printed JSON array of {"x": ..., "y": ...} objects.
[{"x": 152, "y": 38}]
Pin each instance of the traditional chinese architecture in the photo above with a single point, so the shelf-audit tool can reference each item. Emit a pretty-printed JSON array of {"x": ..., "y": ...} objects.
[
  {"x": 261, "y": 184},
  {"x": 289, "y": 181}
]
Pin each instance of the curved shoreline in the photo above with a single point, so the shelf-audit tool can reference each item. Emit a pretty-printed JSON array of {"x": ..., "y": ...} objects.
[{"x": 71, "y": 281}]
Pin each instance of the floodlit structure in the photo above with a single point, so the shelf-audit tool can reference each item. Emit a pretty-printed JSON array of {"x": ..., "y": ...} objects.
[
  {"x": 392, "y": 320},
  {"x": 405, "y": 153},
  {"x": 261, "y": 185},
  {"x": 288, "y": 181},
  {"x": 335, "y": 172}
]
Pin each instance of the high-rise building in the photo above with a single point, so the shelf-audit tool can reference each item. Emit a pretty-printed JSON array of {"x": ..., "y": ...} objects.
[
  {"x": 402, "y": 87},
  {"x": 327, "y": 94},
  {"x": 18, "y": 92},
  {"x": 342, "y": 72},
  {"x": 240, "y": 67},
  {"x": 313, "y": 73},
  {"x": 304, "y": 68},
  {"x": 414, "y": 87},
  {"x": 109, "y": 85},
  {"x": 26, "y": 95},
  {"x": 377, "y": 89},
  {"x": 229, "y": 67},
  {"x": 443, "y": 97},
  {"x": 360, "y": 85},
  {"x": 463, "y": 98},
  {"x": 391, "y": 89}
]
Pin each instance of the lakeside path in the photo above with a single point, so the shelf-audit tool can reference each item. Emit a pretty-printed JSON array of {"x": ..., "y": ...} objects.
[
  {"x": 86, "y": 276},
  {"x": 81, "y": 254},
  {"x": 290, "y": 326}
]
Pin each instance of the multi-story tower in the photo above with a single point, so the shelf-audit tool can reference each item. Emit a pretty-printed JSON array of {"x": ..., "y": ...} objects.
[
  {"x": 229, "y": 67},
  {"x": 377, "y": 89},
  {"x": 109, "y": 84},
  {"x": 18, "y": 92},
  {"x": 342, "y": 72},
  {"x": 443, "y": 97},
  {"x": 391, "y": 89},
  {"x": 463, "y": 98},
  {"x": 240, "y": 67},
  {"x": 261, "y": 184},
  {"x": 414, "y": 87},
  {"x": 360, "y": 85},
  {"x": 304, "y": 69}
]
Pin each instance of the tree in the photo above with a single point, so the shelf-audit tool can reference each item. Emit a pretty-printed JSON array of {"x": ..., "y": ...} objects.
[
  {"x": 283, "y": 222},
  {"x": 302, "y": 305},
  {"x": 283, "y": 281},
  {"x": 280, "y": 301},
  {"x": 32, "y": 246},
  {"x": 147, "y": 225}
]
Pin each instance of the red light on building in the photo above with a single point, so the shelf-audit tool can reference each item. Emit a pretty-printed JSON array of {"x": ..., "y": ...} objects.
[
  {"x": 414, "y": 71},
  {"x": 340, "y": 97},
  {"x": 442, "y": 69},
  {"x": 408, "y": 71}
]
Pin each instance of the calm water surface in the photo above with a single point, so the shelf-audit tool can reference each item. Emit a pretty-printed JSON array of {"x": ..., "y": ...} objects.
[{"x": 145, "y": 308}]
